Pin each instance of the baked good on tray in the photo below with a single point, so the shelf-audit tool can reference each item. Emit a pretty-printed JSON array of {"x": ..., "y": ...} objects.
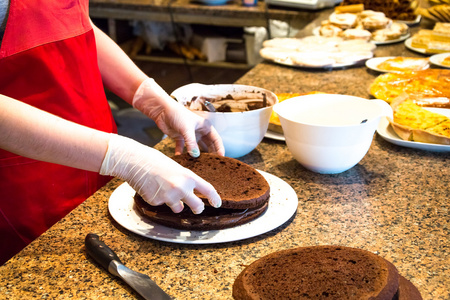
[
  {"x": 244, "y": 191},
  {"x": 402, "y": 63},
  {"x": 432, "y": 41},
  {"x": 446, "y": 61},
  {"x": 429, "y": 87},
  {"x": 355, "y": 22},
  {"x": 397, "y": 10},
  {"x": 322, "y": 272},
  {"x": 414, "y": 123}
]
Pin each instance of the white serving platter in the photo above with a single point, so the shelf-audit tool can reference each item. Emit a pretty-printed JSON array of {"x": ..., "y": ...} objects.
[{"x": 282, "y": 206}]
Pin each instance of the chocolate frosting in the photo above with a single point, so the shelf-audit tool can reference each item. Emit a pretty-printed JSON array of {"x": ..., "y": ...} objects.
[{"x": 210, "y": 219}]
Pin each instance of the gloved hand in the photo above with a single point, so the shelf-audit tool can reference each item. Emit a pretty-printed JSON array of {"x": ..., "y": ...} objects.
[
  {"x": 175, "y": 120},
  {"x": 156, "y": 177}
]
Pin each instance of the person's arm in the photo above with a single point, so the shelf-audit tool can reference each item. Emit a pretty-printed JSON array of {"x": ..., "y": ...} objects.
[
  {"x": 30, "y": 132},
  {"x": 119, "y": 73},
  {"x": 121, "y": 76}
]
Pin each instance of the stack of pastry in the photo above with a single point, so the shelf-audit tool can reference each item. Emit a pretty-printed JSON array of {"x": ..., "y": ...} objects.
[
  {"x": 438, "y": 11},
  {"x": 355, "y": 22},
  {"x": 396, "y": 10},
  {"x": 433, "y": 41}
]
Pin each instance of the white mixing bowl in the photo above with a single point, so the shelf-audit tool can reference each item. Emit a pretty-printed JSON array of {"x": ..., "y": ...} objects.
[
  {"x": 241, "y": 132},
  {"x": 329, "y": 133}
]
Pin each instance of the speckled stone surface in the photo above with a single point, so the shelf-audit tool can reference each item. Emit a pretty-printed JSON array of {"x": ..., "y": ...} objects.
[{"x": 393, "y": 203}]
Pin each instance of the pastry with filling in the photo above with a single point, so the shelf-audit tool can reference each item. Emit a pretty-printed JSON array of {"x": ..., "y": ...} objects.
[
  {"x": 446, "y": 61},
  {"x": 402, "y": 27},
  {"x": 441, "y": 32},
  {"x": 344, "y": 20},
  {"x": 402, "y": 63},
  {"x": 421, "y": 38},
  {"x": 323, "y": 272},
  {"x": 355, "y": 33},
  {"x": 376, "y": 22},
  {"x": 244, "y": 192},
  {"x": 329, "y": 30},
  {"x": 414, "y": 123},
  {"x": 386, "y": 34},
  {"x": 430, "y": 87}
]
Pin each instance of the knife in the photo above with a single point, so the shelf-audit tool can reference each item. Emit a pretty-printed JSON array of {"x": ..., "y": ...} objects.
[{"x": 106, "y": 257}]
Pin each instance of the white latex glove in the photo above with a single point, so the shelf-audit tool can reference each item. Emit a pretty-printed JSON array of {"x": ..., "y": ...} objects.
[
  {"x": 175, "y": 120},
  {"x": 156, "y": 177}
]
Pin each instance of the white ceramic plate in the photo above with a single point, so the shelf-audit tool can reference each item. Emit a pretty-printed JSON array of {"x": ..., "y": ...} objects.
[
  {"x": 438, "y": 58},
  {"x": 400, "y": 39},
  {"x": 316, "y": 31},
  {"x": 411, "y": 23},
  {"x": 387, "y": 133},
  {"x": 333, "y": 66},
  {"x": 274, "y": 135},
  {"x": 408, "y": 44},
  {"x": 374, "y": 62},
  {"x": 282, "y": 205}
]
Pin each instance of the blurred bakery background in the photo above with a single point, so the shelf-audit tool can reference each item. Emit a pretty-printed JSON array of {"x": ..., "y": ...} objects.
[{"x": 178, "y": 42}]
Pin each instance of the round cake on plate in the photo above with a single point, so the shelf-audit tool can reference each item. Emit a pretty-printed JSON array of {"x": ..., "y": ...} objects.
[{"x": 245, "y": 195}]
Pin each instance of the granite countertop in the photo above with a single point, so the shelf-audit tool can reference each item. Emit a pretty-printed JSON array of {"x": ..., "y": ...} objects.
[{"x": 393, "y": 203}]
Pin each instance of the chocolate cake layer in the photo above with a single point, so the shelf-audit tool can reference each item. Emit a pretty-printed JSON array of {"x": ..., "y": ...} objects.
[
  {"x": 239, "y": 185},
  {"x": 322, "y": 272},
  {"x": 210, "y": 219}
]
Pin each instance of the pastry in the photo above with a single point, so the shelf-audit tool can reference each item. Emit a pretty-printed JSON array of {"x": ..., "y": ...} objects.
[
  {"x": 414, "y": 123},
  {"x": 330, "y": 30},
  {"x": 401, "y": 64},
  {"x": 354, "y": 33},
  {"x": 375, "y": 22},
  {"x": 344, "y": 21},
  {"x": 395, "y": 10},
  {"x": 430, "y": 87},
  {"x": 446, "y": 61}
]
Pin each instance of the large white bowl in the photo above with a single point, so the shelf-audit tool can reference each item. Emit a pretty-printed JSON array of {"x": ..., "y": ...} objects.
[
  {"x": 328, "y": 133},
  {"x": 241, "y": 132}
]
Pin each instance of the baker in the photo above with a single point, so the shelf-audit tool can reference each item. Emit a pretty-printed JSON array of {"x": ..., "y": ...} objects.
[{"x": 58, "y": 141}]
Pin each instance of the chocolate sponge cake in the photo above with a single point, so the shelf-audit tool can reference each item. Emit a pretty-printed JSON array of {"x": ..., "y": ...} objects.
[
  {"x": 210, "y": 219},
  {"x": 322, "y": 272},
  {"x": 239, "y": 185},
  {"x": 244, "y": 192}
]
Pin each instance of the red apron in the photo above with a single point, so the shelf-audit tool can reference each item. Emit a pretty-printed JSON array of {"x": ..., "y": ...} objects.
[{"x": 48, "y": 59}]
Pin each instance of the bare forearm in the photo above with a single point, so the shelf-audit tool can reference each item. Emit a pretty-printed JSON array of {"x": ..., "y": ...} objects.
[
  {"x": 33, "y": 133},
  {"x": 119, "y": 73}
]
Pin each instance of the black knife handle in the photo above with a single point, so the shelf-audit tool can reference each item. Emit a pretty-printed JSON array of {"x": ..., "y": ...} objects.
[{"x": 99, "y": 251}]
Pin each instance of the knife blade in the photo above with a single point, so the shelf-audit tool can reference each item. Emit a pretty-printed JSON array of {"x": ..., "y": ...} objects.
[{"x": 109, "y": 260}]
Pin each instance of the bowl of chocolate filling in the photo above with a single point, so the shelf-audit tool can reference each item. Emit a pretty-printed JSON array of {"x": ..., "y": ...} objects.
[{"x": 239, "y": 113}]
